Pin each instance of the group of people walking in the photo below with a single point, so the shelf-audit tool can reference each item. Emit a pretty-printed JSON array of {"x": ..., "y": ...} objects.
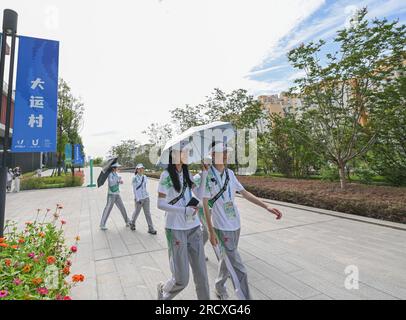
[
  {"x": 197, "y": 209},
  {"x": 141, "y": 198},
  {"x": 13, "y": 177}
]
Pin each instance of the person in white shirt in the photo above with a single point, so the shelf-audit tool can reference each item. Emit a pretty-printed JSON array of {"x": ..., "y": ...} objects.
[
  {"x": 114, "y": 198},
  {"x": 17, "y": 175},
  {"x": 141, "y": 198},
  {"x": 9, "y": 179},
  {"x": 183, "y": 232},
  {"x": 223, "y": 220}
]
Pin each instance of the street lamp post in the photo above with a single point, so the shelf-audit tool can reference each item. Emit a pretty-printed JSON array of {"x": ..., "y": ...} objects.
[{"x": 10, "y": 19}]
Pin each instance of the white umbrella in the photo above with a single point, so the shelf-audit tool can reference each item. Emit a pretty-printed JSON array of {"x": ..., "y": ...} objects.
[{"x": 199, "y": 140}]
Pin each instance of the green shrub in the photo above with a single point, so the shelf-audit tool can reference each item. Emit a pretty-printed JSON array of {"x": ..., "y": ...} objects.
[
  {"x": 329, "y": 173},
  {"x": 51, "y": 182},
  {"x": 365, "y": 175}
]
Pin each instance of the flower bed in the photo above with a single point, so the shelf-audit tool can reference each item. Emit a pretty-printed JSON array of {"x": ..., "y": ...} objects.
[{"x": 35, "y": 262}]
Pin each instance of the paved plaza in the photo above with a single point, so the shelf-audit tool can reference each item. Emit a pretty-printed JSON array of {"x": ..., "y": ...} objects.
[{"x": 302, "y": 256}]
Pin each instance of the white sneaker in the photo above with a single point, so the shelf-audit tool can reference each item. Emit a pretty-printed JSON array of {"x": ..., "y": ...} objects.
[
  {"x": 104, "y": 228},
  {"x": 160, "y": 290}
]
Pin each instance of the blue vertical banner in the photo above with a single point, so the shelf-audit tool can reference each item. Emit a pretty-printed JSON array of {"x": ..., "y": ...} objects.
[
  {"x": 68, "y": 154},
  {"x": 36, "y": 99},
  {"x": 78, "y": 157}
]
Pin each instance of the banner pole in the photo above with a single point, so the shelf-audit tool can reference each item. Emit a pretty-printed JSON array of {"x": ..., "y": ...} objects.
[{"x": 10, "y": 18}]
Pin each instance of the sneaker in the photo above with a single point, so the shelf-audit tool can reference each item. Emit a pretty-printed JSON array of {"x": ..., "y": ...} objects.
[
  {"x": 132, "y": 227},
  {"x": 221, "y": 296},
  {"x": 104, "y": 228},
  {"x": 160, "y": 290},
  {"x": 152, "y": 232}
]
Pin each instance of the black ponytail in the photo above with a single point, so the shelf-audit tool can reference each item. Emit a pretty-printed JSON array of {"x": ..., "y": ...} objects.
[{"x": 174, "y": 175}]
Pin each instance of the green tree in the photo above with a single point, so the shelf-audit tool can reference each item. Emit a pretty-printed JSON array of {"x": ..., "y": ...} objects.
[
  {"x": 158, "y": 134},
  {"x": 70, "y": 119},
  {"x": 388, "y": 156},
  {"x": 98, "y": 161},
  {"x": 289, "y": 148},
  {"x": 125, "y": 151},
  {"x": 340, "y": 92}
]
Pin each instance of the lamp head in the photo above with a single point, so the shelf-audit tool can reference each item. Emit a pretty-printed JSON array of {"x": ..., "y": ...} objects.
[{"x": 10, "y": 19}]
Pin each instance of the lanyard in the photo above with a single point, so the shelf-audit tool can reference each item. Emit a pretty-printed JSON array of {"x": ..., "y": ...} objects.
[{"x": 220, "y": 186}]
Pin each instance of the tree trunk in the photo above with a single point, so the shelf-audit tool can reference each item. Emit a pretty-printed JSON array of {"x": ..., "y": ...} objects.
[{"x": 341, "y": 170}]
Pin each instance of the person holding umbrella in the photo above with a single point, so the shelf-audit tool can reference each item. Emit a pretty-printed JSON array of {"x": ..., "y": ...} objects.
[
  {"x": 113, "y": 197},
  {"x": 223, "y": 221},
  {"x": 141, "y": 197},
  {"x": 183, "y": 232}
]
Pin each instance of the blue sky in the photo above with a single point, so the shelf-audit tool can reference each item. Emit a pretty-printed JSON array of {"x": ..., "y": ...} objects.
[{"x": 323, "y": 23}]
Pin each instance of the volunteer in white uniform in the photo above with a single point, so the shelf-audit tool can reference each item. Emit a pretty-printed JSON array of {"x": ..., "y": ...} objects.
[
  {"x": 17, "y": 175},
  {"x": 183, "y": 232},
  {"x": 223, "y": 221},
  {"x": 141, "y": 198},
  {"x": 114, "y": 198}
]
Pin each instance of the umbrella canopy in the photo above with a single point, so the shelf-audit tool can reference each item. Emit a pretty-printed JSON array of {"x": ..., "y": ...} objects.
[
  {"x": 199, "y": 140},
  {"x": 105, "y": 172}
]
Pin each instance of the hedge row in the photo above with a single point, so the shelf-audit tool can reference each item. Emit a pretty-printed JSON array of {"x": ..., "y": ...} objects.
[{"x": 51, "y": 182}]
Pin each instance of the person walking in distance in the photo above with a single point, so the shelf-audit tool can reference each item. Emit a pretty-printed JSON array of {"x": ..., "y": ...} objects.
[
  {"x": 17, "y": 175},
  {"x": 182, "y": 226},
  {"x": 141, "y": 198},
  {"x": 223, "y": 220},
  {"x": 113, "y": 197}
]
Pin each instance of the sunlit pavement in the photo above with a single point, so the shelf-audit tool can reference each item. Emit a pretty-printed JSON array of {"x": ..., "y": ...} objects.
[{"x": 303, "y": 256}]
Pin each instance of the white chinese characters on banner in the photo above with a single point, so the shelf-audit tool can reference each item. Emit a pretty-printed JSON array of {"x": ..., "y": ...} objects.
[{"x": 36, "y": 102}]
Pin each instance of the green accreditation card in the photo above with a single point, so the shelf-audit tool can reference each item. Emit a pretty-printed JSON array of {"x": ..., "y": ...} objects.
[
  {"x": 115, "y": 188},
  {"x": 210, "y": 204},
  {"x": 230, "y": 210}
]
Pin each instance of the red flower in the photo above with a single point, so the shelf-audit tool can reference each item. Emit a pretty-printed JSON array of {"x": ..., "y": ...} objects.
[
  {"x": 66, "y": 270},
  {"x": 78, "y": 278},
  {"x": 63, "y": 222},
  {"x": 2, "y": 240},
  {"x": 67, "y": 298},
  {"x": 7, "y": 262},
  {"x": 51, "y": 260},
  {"x": 42, "y": 291},
  {"x": 73, "y": 249},
  {"x": 68, "y": 263}
]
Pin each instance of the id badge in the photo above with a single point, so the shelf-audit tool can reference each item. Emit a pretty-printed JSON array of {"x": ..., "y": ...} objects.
[{"x": 230, "y": 210}]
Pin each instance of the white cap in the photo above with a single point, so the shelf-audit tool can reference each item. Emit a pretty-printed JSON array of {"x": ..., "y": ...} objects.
[
  {"x": 139, "y": 166},
  {"x": 116, "y": 165}
]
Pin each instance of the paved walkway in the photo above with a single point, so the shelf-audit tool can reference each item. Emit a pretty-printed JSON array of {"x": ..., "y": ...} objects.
[{"x": 303, "y": 256}]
